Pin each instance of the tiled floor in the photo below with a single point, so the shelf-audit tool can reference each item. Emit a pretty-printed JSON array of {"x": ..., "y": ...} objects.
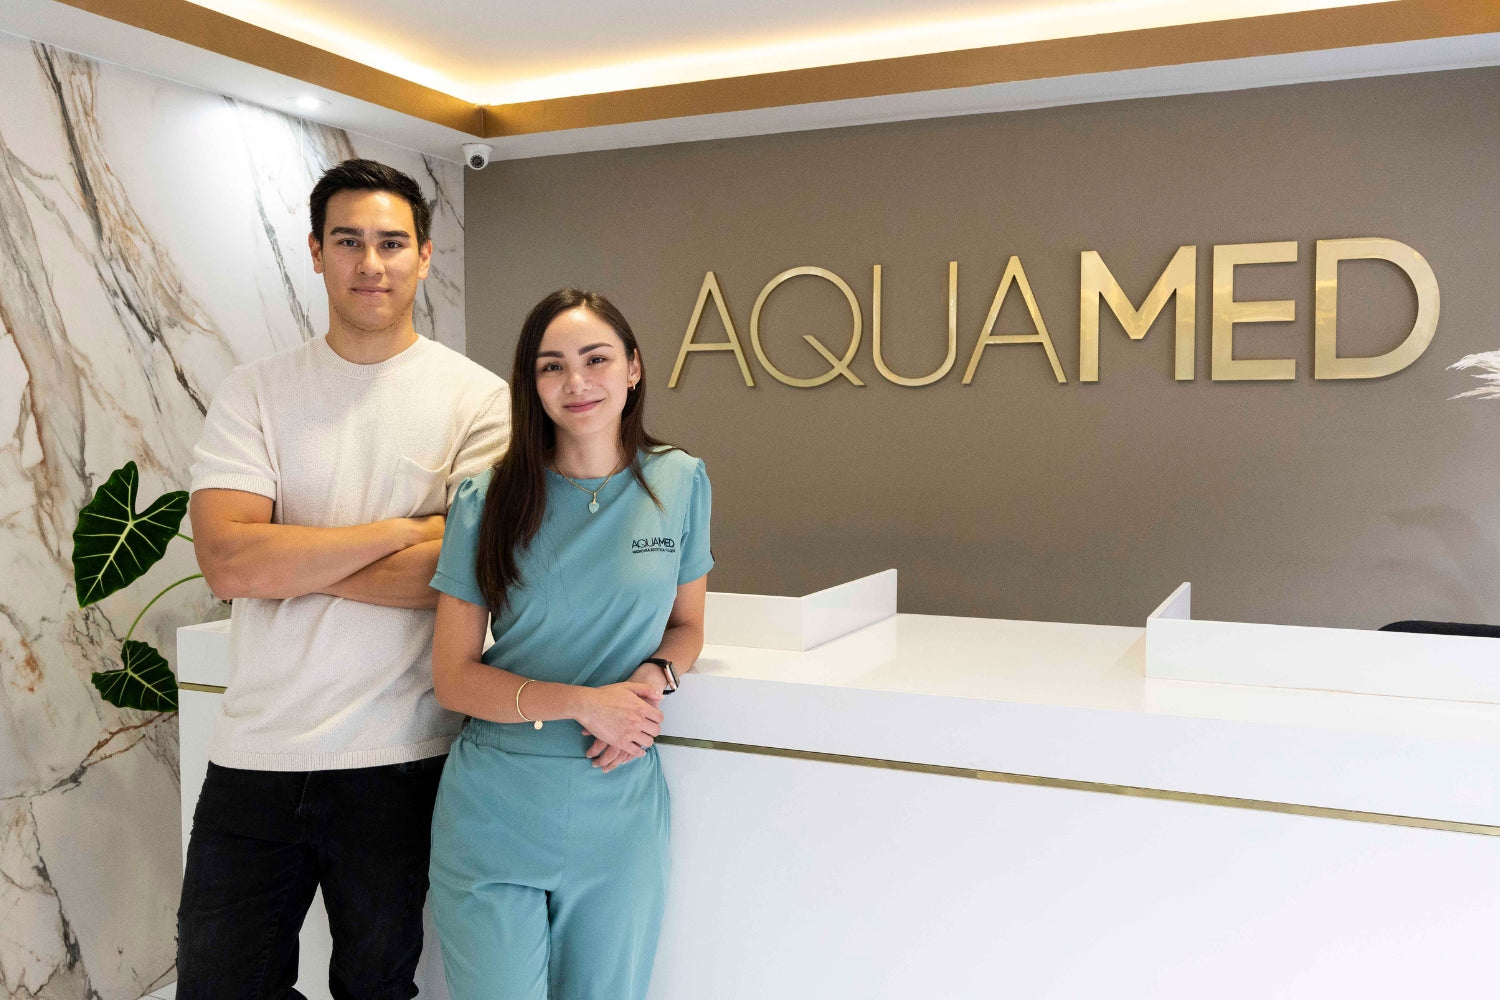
[{"x": 167, "y": 992}]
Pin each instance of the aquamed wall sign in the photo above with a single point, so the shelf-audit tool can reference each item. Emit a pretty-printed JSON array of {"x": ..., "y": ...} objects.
[{"x": 1178, "y": 282}]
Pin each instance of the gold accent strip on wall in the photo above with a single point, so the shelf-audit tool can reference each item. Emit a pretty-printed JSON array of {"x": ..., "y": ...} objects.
[
  {"x": 205, "y": 688},
  {"x": 248, "y": 43},
  {"x": 1272, "y": 34},
  {"x": 1131, "y": 791}
]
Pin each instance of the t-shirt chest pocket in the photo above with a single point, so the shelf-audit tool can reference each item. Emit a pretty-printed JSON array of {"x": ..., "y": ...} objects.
[{"x": 416, "y": 491}]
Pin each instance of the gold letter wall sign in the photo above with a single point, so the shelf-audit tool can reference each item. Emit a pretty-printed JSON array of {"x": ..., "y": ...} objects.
[
  {"x": 1326, "y": 360},
  {"x": 840, "y": 366},
  {"x": 947, "y": 365},
  {"x": 1097, "y": 283},
  {"x": 1228, "y": 312},
  {"x": 710, "y": 288},
  {"x": 1014, "y": 272}
]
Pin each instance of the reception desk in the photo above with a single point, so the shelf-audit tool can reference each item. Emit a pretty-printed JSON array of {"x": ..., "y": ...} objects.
[{"x": 974, "y": 808}]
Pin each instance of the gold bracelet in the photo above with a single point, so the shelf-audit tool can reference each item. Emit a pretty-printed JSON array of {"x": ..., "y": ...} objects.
[{"x": 535, "y": 723}]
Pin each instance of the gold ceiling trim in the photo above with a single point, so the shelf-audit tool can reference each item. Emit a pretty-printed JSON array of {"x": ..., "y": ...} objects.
[
  {"x": 247, "y": 43},
  {"x": 1130, "y": 791},
  {"x": 1272, "y": 34}
]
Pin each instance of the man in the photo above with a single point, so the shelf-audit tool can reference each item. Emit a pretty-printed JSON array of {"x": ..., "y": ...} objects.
[{"x": 319, "y": 489}]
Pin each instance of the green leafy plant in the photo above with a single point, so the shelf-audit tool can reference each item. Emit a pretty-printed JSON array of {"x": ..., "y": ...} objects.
[{"x": 113, "y": 546}]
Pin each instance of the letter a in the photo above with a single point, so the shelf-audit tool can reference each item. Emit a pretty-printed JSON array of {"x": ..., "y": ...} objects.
[
  {"x": 1014, "y": 272},
  {"x": 710, "y": 287}
]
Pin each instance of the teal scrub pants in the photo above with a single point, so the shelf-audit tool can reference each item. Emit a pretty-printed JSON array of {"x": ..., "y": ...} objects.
[{"x": 548, "y": 875}]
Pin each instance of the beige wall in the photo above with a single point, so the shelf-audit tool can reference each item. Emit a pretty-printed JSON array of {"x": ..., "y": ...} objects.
[{"x": 1311, "y": 502}]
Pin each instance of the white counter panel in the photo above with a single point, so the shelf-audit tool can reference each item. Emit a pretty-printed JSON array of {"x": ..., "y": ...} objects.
[
  {"x": 795, "y": 878},
  {"x": 196, "y": 713},
  {"x": 1403, "y": 664},
  {"x": 869, "y": 884},
  {"x": 1073, "y": 702}
]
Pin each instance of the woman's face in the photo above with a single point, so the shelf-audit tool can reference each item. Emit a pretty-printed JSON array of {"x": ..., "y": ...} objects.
[{"x": 583, "y": 374}]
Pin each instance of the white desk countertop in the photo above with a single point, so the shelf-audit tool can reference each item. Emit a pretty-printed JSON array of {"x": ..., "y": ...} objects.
[{"x": 1073, "y": 702}]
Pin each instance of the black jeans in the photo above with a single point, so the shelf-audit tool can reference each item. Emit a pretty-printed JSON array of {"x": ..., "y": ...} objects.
[{"x": 264, "y": 841}]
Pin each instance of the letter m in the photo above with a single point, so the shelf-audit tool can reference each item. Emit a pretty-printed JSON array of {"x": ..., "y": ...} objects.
[{"x": 1096, "y": 282}]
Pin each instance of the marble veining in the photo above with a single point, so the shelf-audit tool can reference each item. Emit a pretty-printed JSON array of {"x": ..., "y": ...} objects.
[{"x": 152, "y": 237}]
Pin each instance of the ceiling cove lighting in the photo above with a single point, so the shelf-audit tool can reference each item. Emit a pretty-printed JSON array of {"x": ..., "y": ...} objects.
[
  {"x": 275, "y": 16},
  {"x": 889, "y": 38},
  {"x": 1058, "y": 20}
]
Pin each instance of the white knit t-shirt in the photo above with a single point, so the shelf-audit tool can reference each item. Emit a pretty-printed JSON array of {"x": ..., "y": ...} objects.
[{"x": 319, "y": 682}]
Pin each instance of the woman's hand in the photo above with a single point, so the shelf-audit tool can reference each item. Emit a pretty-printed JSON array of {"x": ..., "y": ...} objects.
[
  {"x": 650, "y": 675},
  {"x": 607, "y": 757},
  {"x": 624, "y": 720}
]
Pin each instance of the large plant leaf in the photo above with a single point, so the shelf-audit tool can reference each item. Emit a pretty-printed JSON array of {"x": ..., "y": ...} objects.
[
  {"x": 113, "y": 545},
  {"x": 145, "y": 681}
]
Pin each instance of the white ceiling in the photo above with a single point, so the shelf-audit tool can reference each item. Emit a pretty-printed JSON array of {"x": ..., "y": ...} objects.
[{"x": 502, "y": 51}]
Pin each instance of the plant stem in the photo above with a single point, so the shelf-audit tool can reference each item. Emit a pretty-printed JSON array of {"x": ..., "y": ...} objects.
[
  {"x": 185, "y": 538},
  {"x": 195, "y": 576}
]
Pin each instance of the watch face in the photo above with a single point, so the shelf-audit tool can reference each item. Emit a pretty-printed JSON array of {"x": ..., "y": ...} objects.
[{"x": 666, "y": 668}]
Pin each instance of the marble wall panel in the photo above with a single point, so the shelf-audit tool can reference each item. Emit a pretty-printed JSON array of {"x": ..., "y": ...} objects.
[{"x": 151, "y": 238}]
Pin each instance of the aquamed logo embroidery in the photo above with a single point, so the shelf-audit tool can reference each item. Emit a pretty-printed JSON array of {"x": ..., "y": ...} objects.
[{"x": 640, "y": 546}]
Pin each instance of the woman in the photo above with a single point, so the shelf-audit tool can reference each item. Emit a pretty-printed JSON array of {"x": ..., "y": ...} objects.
[{"x": 588, "y": 542}]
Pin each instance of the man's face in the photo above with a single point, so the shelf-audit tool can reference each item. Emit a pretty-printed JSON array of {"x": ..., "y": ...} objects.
[{"x": 370, "y": 260}]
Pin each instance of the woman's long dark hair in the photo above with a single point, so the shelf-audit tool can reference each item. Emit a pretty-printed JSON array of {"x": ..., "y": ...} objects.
[{"x": 517, "y": 498}]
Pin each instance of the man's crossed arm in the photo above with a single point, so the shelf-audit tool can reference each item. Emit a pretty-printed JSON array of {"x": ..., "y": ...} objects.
[{"x": 242, "y": 554}]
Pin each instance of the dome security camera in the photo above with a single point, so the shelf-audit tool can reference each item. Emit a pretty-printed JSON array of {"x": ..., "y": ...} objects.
[{"x": 477, "y": 154}]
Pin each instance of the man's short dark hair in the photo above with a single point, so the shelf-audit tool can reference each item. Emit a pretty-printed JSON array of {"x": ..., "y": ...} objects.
[{"x": 369, "y": 175}]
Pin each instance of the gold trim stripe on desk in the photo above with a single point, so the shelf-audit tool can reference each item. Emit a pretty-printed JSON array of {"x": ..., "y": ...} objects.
[
  {"x": 1132, "y": 791},
  {"x": 1071, "y": 784}
]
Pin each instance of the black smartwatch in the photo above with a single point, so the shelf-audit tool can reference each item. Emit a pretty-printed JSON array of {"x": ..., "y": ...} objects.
[{"x": 666, "y": 668}]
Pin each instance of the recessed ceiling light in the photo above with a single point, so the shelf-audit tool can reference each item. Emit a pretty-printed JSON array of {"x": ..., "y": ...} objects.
[{"x": 309, "y": 103}]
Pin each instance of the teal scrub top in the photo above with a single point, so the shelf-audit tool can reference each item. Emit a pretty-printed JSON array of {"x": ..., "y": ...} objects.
[{"x": 596, "y": 589}]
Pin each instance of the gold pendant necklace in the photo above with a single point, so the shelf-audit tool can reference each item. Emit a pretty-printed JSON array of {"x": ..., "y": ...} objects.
[{"x": 593, "y": 494}]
